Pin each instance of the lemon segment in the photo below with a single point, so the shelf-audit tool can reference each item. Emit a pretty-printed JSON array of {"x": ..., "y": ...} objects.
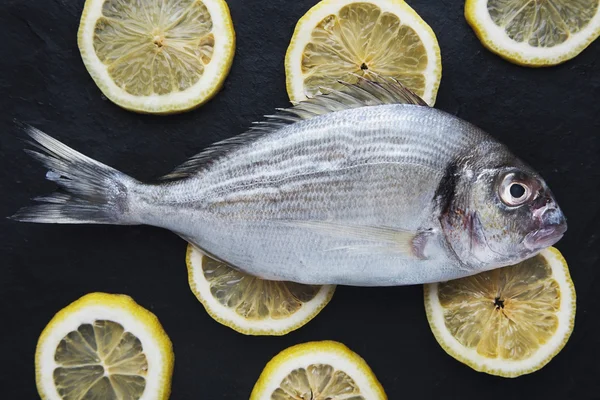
[
  {"x": 104, "y": 346},
  {"x": 509, "y": 321},
  {"x": 532, "y": 32},
  {"x": 338, "y": 39},
  {"x": 157, "y": 57},
  {"x": 317, "y": 371},
  {"x": 250, "y": 305}
]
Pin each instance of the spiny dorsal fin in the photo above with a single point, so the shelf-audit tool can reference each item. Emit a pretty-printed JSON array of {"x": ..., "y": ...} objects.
[{"x": 363, "y": 93}]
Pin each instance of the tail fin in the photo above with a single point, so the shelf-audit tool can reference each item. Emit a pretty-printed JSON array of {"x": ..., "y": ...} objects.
[{"x": 93, "y": 192}]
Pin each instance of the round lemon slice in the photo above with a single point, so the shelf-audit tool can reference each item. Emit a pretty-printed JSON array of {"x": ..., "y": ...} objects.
[
  {"x": 534, "y": 33},
  {"x": 317, "y": 371},
  {"x": 338, "y": 39},
  {"x": 104, "y": 346},
  {"x": 509, "y": 321},
  {"x": 157, "y": 56},
  {"x": 250, "y": 305}
]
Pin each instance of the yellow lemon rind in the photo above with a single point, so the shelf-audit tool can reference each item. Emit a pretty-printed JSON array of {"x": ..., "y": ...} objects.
[
  {"x": 474, "y": 16},
  {"x": 326, "y": 349},
  {"x": 568, "y": 299},
  {"x": 310, "y": 20},
  {"x": 322, "y": 298},
  {"x": 219, "y": 12},
  {"x": 147, "y": 320}
]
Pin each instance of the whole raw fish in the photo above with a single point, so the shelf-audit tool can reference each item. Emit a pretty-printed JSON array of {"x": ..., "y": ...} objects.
[{"x": 364, "y": 186}]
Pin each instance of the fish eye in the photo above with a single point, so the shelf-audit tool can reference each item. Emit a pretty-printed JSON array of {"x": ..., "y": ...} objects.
[
  {"x": 517, "y": 190},
  {"x": 514, "y": 191}
]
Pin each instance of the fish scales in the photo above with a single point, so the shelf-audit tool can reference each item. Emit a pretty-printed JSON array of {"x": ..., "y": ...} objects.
[
  {"x": 354, "y": 147},
  {"x": 364, "y": 148},
  {"x": 378, "y": 194},
  {"x": 362, "y": 187}
]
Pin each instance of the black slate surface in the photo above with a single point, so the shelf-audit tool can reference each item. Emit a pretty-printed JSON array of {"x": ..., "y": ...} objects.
[{"x": 550, "y": 117}]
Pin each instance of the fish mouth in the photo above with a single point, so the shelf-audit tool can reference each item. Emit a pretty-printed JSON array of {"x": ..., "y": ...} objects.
[{"x": 545, "y": 237}]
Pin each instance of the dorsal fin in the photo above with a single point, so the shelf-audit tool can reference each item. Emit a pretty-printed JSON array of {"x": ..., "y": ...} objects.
[{"x": 363, "y": 93}]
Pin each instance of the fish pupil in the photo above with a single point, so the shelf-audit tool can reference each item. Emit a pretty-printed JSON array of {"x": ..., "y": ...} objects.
[
  {"x": 498, "y": 303},
  {"x": 517, "y": 190}
]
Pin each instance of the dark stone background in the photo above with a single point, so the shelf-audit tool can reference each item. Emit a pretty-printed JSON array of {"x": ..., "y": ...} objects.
[{"x": 550, "y": 117}]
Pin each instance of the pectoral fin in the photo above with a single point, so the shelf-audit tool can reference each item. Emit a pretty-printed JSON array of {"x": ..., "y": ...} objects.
[{"x": 370, "y": 239}]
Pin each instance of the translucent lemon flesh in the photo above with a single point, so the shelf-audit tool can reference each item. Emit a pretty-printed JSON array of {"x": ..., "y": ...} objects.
[
  {"x": 317, "y": 382},
  {"x": 251, "y": 305},
  {"x": 542, "y": 23},
  {"x": 506, "y": 313},
  {"x": 254, "y": 298},
  {"x": 535, "y": 33},
  {"x": 100, "y": 361},
  {"x": 324, "y": 370},
  {"x": 361, "y": 39},
  {"x": 342, "y": 39},
  {"x": 157, "y": 47}
]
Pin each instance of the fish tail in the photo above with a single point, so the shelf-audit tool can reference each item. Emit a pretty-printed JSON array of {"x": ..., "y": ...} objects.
[{"x": 90, "y": 192}]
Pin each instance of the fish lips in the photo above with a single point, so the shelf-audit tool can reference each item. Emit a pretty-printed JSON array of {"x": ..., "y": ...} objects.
[{"x": 545, "y": 237}]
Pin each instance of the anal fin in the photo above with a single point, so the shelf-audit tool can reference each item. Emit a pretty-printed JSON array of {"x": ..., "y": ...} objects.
[{"x": 208, "y": 254}]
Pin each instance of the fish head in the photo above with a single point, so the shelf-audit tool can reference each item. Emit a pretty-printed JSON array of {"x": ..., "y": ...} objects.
[{"x": 501, "y": 214}]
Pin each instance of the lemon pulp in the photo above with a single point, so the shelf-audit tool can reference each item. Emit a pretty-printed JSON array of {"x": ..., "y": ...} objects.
[
  {"x": 324, "y": 370},
  {"x": 505, "y": 313},
  {"x": 157, "y": 56},
  {"x": 317, "y": 382},
  {"x": 359, "y": 40},
  {"x": 158, "y": 48},
  {"x": 535, "y": 33},
  {"x": 249, "y": 304},
  {"x": 100, "y": 360},
  {"x": 104, "y": 346},
  {"x": 337, "y": 40},
  {"x": 542, "y": 23},
  {"x": 509, "y": 321},
  {"x": 255, "y": 298}
]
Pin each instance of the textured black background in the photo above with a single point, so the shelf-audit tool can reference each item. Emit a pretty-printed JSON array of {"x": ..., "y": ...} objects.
[{"x": 549, "y": 117}]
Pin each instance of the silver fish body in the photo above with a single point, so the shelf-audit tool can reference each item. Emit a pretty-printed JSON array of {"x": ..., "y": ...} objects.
[
  {"x": 378, "y": 195},
  {"x": 368, "y": 167}
]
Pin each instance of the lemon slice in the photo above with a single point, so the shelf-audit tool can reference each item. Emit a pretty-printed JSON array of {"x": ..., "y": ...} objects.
[
  {"x": 104, "y": 346},
  {"x": 157, "y": 56},
  {"x": 337, "y": 39},
  {"x": 534, "y": 33},
  {"x": 317, "y": 371},
  {"x": 250, "y": 305},
  {"x": 509, "y": 321}
]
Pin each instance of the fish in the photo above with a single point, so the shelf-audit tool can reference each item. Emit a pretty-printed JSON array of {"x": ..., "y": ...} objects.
[{"x": 363, "y": 186}]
